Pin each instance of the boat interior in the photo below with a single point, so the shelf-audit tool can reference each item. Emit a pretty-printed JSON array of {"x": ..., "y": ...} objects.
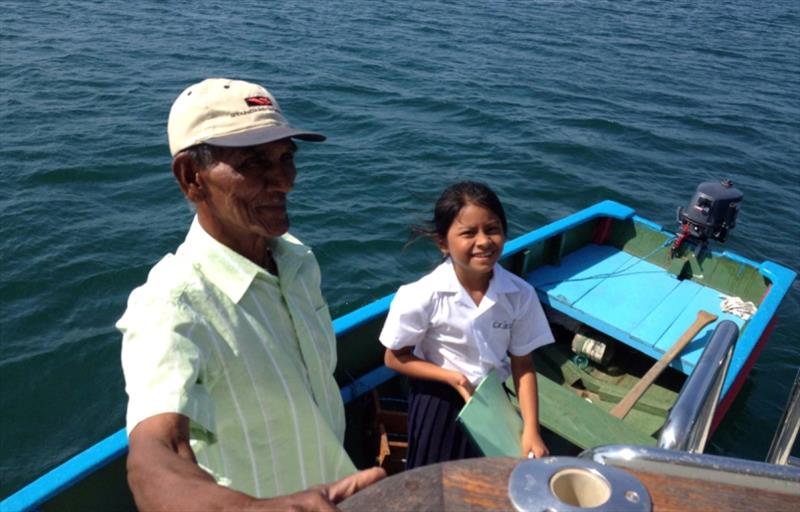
[{"x": 607, "y": 284}]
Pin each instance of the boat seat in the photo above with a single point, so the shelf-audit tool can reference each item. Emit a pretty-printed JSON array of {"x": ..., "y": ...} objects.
[{"x": 629, "y": 299}]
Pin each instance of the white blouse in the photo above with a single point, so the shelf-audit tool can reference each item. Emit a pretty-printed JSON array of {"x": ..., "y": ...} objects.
[{"x": 440, "y": 320}]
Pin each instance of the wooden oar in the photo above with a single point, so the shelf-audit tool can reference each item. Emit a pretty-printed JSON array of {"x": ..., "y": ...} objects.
[{"x": 626, "y": 404}]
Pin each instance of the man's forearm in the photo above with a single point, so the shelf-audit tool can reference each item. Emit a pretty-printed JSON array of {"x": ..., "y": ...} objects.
[{"x": 161, "y": 477}]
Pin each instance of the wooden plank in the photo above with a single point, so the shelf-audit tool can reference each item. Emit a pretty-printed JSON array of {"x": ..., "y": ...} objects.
[
  {"x": 706, "y": 299},
  {"x": 654, "y": 401},
  {"x": 628, "y": 295},
  {"x": 703, "y": 319},
  {"x": 605, "y": 391},
  {"x": 580, "y": 422},
  {"x": 578, "y": 273},
  {"x": 671, "y": 493},
  {"x": 653, "y": 326},
  {"x": 639, "y": 303},
  {"x": 383, "y": 445},
  {"x": 733, "y": 278}
]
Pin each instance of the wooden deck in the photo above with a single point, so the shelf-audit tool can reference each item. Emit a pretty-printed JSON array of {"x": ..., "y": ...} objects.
[{"x": 629, "y": 299}]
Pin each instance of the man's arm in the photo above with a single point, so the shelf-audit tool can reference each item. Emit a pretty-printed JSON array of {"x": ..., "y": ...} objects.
[{"x": 163, "y": 475}]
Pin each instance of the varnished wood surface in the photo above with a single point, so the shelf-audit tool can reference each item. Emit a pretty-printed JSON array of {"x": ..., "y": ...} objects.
[
  {"x": 470, "y": 484},
  {"x": 671, "y": 493},
  {"x": 482, "y": 484}
]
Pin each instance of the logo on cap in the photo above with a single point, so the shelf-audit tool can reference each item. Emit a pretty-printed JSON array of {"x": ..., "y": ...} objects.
[{"x": 258, "y": 101}]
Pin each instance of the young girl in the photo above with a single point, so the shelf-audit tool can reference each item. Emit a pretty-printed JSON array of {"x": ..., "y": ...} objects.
[{"x": 448, "y": 330}]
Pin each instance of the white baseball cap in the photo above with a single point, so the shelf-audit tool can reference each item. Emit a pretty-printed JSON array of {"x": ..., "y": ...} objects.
[{"x": 230, "y": 113}]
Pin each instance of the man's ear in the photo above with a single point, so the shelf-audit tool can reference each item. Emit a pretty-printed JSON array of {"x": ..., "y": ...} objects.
[{"x": 189, "y": 177}]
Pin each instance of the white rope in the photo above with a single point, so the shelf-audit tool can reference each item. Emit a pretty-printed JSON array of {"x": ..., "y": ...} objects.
[{"x": 738, "y": 307}]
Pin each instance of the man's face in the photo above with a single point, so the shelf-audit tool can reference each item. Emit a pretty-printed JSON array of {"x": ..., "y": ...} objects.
[{"x": 246, "y": 190}]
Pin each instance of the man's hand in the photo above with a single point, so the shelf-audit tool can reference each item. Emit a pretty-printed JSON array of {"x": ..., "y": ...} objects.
[
  {"x": 349, "y": 485},
  {"x": 323, "y": 497},
  {"x": 163, "y": 475}
]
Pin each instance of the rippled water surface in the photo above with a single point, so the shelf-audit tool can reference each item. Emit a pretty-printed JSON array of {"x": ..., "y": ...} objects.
[{"x": 556, "y": 104}]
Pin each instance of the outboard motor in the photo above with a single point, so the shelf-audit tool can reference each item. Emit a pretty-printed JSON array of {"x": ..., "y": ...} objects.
[{"x": 710, "y": 215}]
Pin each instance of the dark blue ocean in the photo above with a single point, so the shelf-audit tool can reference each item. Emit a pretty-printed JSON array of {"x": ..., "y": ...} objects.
[{"x": 556, "y": 104}]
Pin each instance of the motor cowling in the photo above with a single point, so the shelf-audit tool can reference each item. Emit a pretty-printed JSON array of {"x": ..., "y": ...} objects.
[{"x": 712, "y": 211}]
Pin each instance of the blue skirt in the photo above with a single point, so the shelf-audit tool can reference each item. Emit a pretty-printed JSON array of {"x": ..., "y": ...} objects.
[{"x": 433, "y": 433}]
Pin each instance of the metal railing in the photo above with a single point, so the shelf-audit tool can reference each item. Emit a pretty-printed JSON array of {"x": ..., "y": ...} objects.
[
  {"x": 689, "y": 421},
  {"x": 786, "y": 433},
  {"x": 713, "y": 468}
]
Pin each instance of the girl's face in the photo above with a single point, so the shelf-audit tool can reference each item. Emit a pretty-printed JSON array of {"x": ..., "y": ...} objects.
[{"x": 474, "y": 242}]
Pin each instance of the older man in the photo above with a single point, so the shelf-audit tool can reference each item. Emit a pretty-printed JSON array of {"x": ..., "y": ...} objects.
[{"x": 228, "y": 349}]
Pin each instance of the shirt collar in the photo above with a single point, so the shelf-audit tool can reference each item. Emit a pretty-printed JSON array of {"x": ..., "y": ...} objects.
[
  {"x": 230, "y": 271},
  {"x": 447, "y": 281}
]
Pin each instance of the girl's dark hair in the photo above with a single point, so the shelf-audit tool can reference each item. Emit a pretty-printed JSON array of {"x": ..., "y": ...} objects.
[{"x": 452, "y": 200}]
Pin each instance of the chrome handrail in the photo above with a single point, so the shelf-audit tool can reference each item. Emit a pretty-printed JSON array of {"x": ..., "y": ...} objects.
[
  {"x": 786, "y": 434},
  {"x": 689, "y": 421},
  {"x": 713, "y": 468}
]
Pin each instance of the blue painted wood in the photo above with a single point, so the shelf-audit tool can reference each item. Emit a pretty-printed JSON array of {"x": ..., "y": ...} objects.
[
  {"x": 781, "y": 278},
  {"x": 631, "y": 300},
  {"x": 655, "y": 324},
  {"x": 646, "y": 308},
  {"x": 611, "y": 209},
  {"x": 579, "y": 272},
  {"x": 627, "y": 296},
  {"x": 706, "y": 299},
  {"x": 65, "y": 475},
  {"x": 362, "y": 315},
  {"x": 366, "y": 383}
]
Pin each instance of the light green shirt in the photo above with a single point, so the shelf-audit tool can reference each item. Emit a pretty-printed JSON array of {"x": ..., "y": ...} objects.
[{"x": 247, "y": 356}]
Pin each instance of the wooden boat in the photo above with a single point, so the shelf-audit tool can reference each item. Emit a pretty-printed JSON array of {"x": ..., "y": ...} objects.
[
  {"x": 618, "y": 478},
  {"x": 609, "y": 279}
]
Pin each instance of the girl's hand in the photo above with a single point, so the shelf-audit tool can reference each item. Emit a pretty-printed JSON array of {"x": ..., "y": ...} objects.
[
  {"x": 462, "y": 385},
  {"x": 532, "y": 443}
]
